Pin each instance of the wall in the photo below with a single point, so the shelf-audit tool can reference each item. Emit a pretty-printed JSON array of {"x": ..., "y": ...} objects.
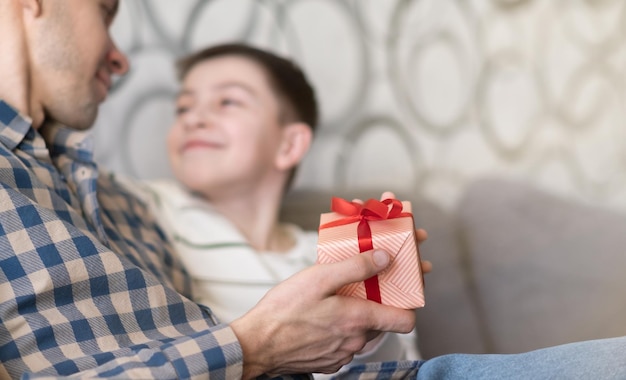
[{"x": 423, "y": 95}]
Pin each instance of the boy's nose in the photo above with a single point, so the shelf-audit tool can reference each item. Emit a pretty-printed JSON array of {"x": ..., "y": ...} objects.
[{"x": 192, "y": 120}]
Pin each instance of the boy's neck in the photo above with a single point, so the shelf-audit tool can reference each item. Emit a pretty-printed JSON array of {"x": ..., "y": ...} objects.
[{"x": 256, "y": 218}]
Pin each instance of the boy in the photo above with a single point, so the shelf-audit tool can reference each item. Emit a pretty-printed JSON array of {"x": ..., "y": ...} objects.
[{"x": 245, "y": 120}]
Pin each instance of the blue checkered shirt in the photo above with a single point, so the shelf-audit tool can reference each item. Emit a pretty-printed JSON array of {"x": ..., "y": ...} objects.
[{"x": 88, "y": 283}]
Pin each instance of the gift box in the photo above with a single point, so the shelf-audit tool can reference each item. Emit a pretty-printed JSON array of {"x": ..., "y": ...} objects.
[{"x": 353, "y": 228}]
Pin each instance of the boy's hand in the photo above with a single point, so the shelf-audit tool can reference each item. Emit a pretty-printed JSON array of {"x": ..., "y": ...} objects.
[{"x": 420, "y": 234}]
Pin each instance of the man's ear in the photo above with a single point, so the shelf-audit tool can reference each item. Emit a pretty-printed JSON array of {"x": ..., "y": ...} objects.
[
  {"x": 34, "y": 7},
  {"x": 295, "y": 143}
]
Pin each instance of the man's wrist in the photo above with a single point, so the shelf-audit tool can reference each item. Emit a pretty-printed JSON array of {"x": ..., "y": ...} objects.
[{"x": 251, "y": 347}]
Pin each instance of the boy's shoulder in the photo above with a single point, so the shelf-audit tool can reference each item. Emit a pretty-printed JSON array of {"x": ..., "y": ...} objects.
[{"x": 154, "y": 191}]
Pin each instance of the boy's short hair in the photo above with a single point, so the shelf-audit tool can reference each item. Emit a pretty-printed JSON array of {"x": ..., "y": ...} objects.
[{"x": 296, "y": 96}]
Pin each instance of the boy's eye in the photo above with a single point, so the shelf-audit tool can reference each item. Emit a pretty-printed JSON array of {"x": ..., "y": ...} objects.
[
  {"x": 229, "y": 102},
  {"x": 181, "y": 110}
]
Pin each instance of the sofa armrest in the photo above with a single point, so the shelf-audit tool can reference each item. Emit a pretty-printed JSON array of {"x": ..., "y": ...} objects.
[{"x": 546, "y": 271}]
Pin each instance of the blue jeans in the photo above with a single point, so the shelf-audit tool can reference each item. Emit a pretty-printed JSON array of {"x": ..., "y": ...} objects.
[{"x": 596, "y": 359}]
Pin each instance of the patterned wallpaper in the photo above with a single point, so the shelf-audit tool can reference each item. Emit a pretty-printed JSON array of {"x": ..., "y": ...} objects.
[{"x": 416, "y": 95}]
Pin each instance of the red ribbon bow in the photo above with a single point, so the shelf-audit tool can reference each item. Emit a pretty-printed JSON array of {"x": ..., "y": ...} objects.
[{"x": 363, "y": 213}]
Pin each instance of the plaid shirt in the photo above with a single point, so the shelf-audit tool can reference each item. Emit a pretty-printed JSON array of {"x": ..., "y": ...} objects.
[{"x": 88, "y": 283}]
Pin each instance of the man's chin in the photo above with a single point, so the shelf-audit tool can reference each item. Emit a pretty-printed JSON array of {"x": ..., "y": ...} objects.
[
  {"x": 76, "y": 125},
  {"x": 79, "y": 116},
  {"x": 84, "y": 120}
]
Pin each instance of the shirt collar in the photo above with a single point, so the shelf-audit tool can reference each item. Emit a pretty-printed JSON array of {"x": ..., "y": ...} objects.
[
  {"x": 64, "y": 141},
  {"x": 16, "y": 129},
  {"x": 13, "y": 126}
]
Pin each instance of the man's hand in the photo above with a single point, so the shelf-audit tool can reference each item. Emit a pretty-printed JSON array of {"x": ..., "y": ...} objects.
[{"x": 303, "y": 326}]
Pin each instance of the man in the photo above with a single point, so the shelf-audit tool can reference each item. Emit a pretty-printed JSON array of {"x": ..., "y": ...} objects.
[{"x": 88, "y": 285}]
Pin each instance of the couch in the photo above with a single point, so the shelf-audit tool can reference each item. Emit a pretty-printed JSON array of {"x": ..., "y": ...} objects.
[{"x": 515, "y": 268}]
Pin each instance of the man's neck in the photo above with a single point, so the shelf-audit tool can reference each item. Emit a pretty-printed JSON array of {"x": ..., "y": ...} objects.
[{"x": 15, "y": 86}]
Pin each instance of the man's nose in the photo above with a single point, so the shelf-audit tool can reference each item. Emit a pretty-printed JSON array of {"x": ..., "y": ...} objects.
[{"x": 117, "y": 61}]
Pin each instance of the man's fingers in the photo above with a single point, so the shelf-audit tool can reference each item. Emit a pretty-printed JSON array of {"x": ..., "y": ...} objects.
[
  {"x": 354, "y": 269},
  {"x": 389, "y": 318}
]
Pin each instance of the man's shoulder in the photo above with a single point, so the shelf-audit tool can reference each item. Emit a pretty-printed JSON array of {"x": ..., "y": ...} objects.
[
  {"x": 14, "y": 173},
  {"x": 8, "y": 159},
  {"x": 119, "y": 189}
]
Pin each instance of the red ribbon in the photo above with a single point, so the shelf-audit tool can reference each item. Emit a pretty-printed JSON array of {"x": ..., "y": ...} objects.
[{"x": 363, "y": 213}]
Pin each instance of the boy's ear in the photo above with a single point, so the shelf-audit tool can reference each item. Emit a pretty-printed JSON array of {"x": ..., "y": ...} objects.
[{"x": 296, "y": 141}]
